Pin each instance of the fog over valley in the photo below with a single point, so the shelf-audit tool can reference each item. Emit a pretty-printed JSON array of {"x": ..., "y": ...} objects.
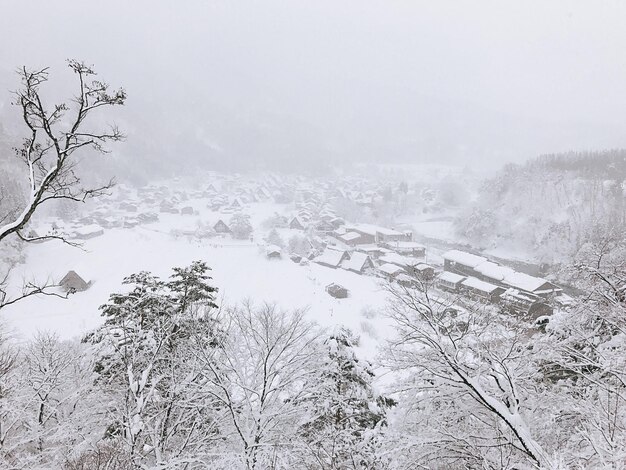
[
  {"x": 334, "y": 235},
  {"x": 284, "y": 84}
]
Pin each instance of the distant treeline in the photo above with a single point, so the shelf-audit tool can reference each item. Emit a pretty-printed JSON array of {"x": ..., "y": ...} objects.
[{"x": 607, "y": 163}]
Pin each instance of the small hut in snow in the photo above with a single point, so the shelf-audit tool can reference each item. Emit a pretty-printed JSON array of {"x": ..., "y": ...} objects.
[
  {"x": 337, "y": 291},
  {"x": 273, "y": 252},
  {"x": 72, "y": 282}
]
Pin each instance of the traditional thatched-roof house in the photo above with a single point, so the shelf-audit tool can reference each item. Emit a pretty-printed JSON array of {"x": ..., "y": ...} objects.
[
  {"x": 358, "y": 263},
  {"x": 332, "y": 258},
  {"x": 237, "y": 203},
  {"x": 221, "y": 227},
  {"x": 296, "y": 224},
  {"x": 72, "y": 282}
]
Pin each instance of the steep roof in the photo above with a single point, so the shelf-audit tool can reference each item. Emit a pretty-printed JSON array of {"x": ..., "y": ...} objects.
[
  {"x": 72, "y": 281},
  {"x": 357, "y": 262},
  {"x": 390, "y": 269},
  {"x": 331, "y": 258}
]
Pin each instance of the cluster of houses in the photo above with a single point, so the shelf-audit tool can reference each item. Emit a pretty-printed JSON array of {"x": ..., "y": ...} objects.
[
  {"x": 391, "y": 254},
  {"x": 486, "y": 280},
  {"x": 361, "y": 248},
  {"x": 378, "y": 251},
  {"x": 314, "y": 214}
]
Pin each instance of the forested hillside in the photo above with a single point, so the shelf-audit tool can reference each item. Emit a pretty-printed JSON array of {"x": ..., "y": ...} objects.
[{"x": 549, "y": 205}]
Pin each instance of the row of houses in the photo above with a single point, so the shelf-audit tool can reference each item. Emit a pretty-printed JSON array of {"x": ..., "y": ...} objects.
[
  {"x": 365, "y": 234},
  {"x": 485, "y": 280},
  {"x": 518, "y": 301},
  {"x": 391, "y": 266},
  {"x": 470, "y": 265}
]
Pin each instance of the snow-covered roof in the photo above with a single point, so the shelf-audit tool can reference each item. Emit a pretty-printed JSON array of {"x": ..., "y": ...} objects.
[
  {"x": 371, "y": 248},
  {"x": 390, "y": 269},
  {"x": 461, "y": 257},
  {"x": 404, "y": 278},
  {"x": 494, "y": 271},
  {"x": 422, "y": 267},
  {"x": 479, "y": 285},
  {"x": 528, "y": 283},
  {"x": 330, "y": 257},
  {"x": 388, "y": 231},
  {"x": 270, "y": 249},
  {"x": 356, "y": 262},
  {"x": 350, "y": 236},
  {"x": 395, "y": 258},
  {"x": 373, "y": 229},
  {"x": 407, "y": 245},
  {"x": 453, "y": 278}
]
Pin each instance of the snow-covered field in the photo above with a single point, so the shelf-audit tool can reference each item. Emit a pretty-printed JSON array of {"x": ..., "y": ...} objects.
[{"x": 239, "y": 268}]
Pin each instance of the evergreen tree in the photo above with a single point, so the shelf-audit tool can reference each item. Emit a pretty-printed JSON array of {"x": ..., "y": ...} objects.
[
  {"x": 144, "y": 354},
  {"x": 274, "y": 238},
  {"x": 344, "y": 414}
]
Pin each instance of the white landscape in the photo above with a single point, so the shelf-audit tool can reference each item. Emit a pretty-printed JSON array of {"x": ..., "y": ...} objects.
[
  {"x": 152, "y": 247},
  {"x": 316, "y": 235}
]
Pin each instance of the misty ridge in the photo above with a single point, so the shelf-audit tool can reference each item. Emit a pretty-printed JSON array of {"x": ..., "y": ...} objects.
[{"x": 312, "y": 235}]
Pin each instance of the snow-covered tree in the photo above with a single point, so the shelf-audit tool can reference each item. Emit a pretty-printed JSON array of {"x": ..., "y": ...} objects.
[
  {"x": 57, "y": 135},
  {"x": 274, "y": 238},
  {"x": 469, "y": 395},
  {"x": 145, "y": 359},
  {"x": 43, "y": 409},
  {"x": 341, "y": 427},
  {"x": 584, "y": 354},
  {"x": 275, "y": 221},
  {"x": 299, "y": 245},
  {"x": 256, "y": 375},
  {"x": 240, "y": 225}
]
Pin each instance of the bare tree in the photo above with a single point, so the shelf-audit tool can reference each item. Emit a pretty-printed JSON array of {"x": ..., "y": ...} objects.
[
  {"x": 468, "y": 368},
  {"x": 57, "y": 135},
  {"x": 256, "y": 376},
  {"x": 586, "y": 350}
]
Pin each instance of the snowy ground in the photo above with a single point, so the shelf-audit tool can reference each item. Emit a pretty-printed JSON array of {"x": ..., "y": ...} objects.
[{"x": 239, "y": 268}]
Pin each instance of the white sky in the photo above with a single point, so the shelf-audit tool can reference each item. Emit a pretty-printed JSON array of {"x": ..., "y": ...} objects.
[{"x": 481, "y": 80}]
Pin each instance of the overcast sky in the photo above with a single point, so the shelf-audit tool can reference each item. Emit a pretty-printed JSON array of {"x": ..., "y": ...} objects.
[{"x": 458, "y": 81}]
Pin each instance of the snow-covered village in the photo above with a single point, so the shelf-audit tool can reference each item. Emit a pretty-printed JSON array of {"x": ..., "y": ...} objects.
[{"x": 258, "y": 271}]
